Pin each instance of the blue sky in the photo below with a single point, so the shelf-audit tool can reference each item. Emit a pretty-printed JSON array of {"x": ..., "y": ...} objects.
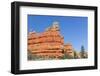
[{"x": 73, "y": 28}]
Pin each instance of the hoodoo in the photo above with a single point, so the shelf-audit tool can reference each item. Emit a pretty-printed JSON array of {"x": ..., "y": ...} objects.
[{"x": 47, "y": 44}]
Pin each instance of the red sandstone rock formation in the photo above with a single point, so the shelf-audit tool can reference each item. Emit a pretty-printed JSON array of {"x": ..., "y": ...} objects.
[
  {"x": 68, "y": 49},
  {"x": 48, "y": 43}
]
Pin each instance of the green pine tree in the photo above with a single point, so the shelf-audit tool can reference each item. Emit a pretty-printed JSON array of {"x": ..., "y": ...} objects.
[{"x": 82, "y": 51}]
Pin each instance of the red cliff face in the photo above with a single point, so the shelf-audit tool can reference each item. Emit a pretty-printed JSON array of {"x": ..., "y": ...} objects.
[{"x": 48, "y": 43}]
